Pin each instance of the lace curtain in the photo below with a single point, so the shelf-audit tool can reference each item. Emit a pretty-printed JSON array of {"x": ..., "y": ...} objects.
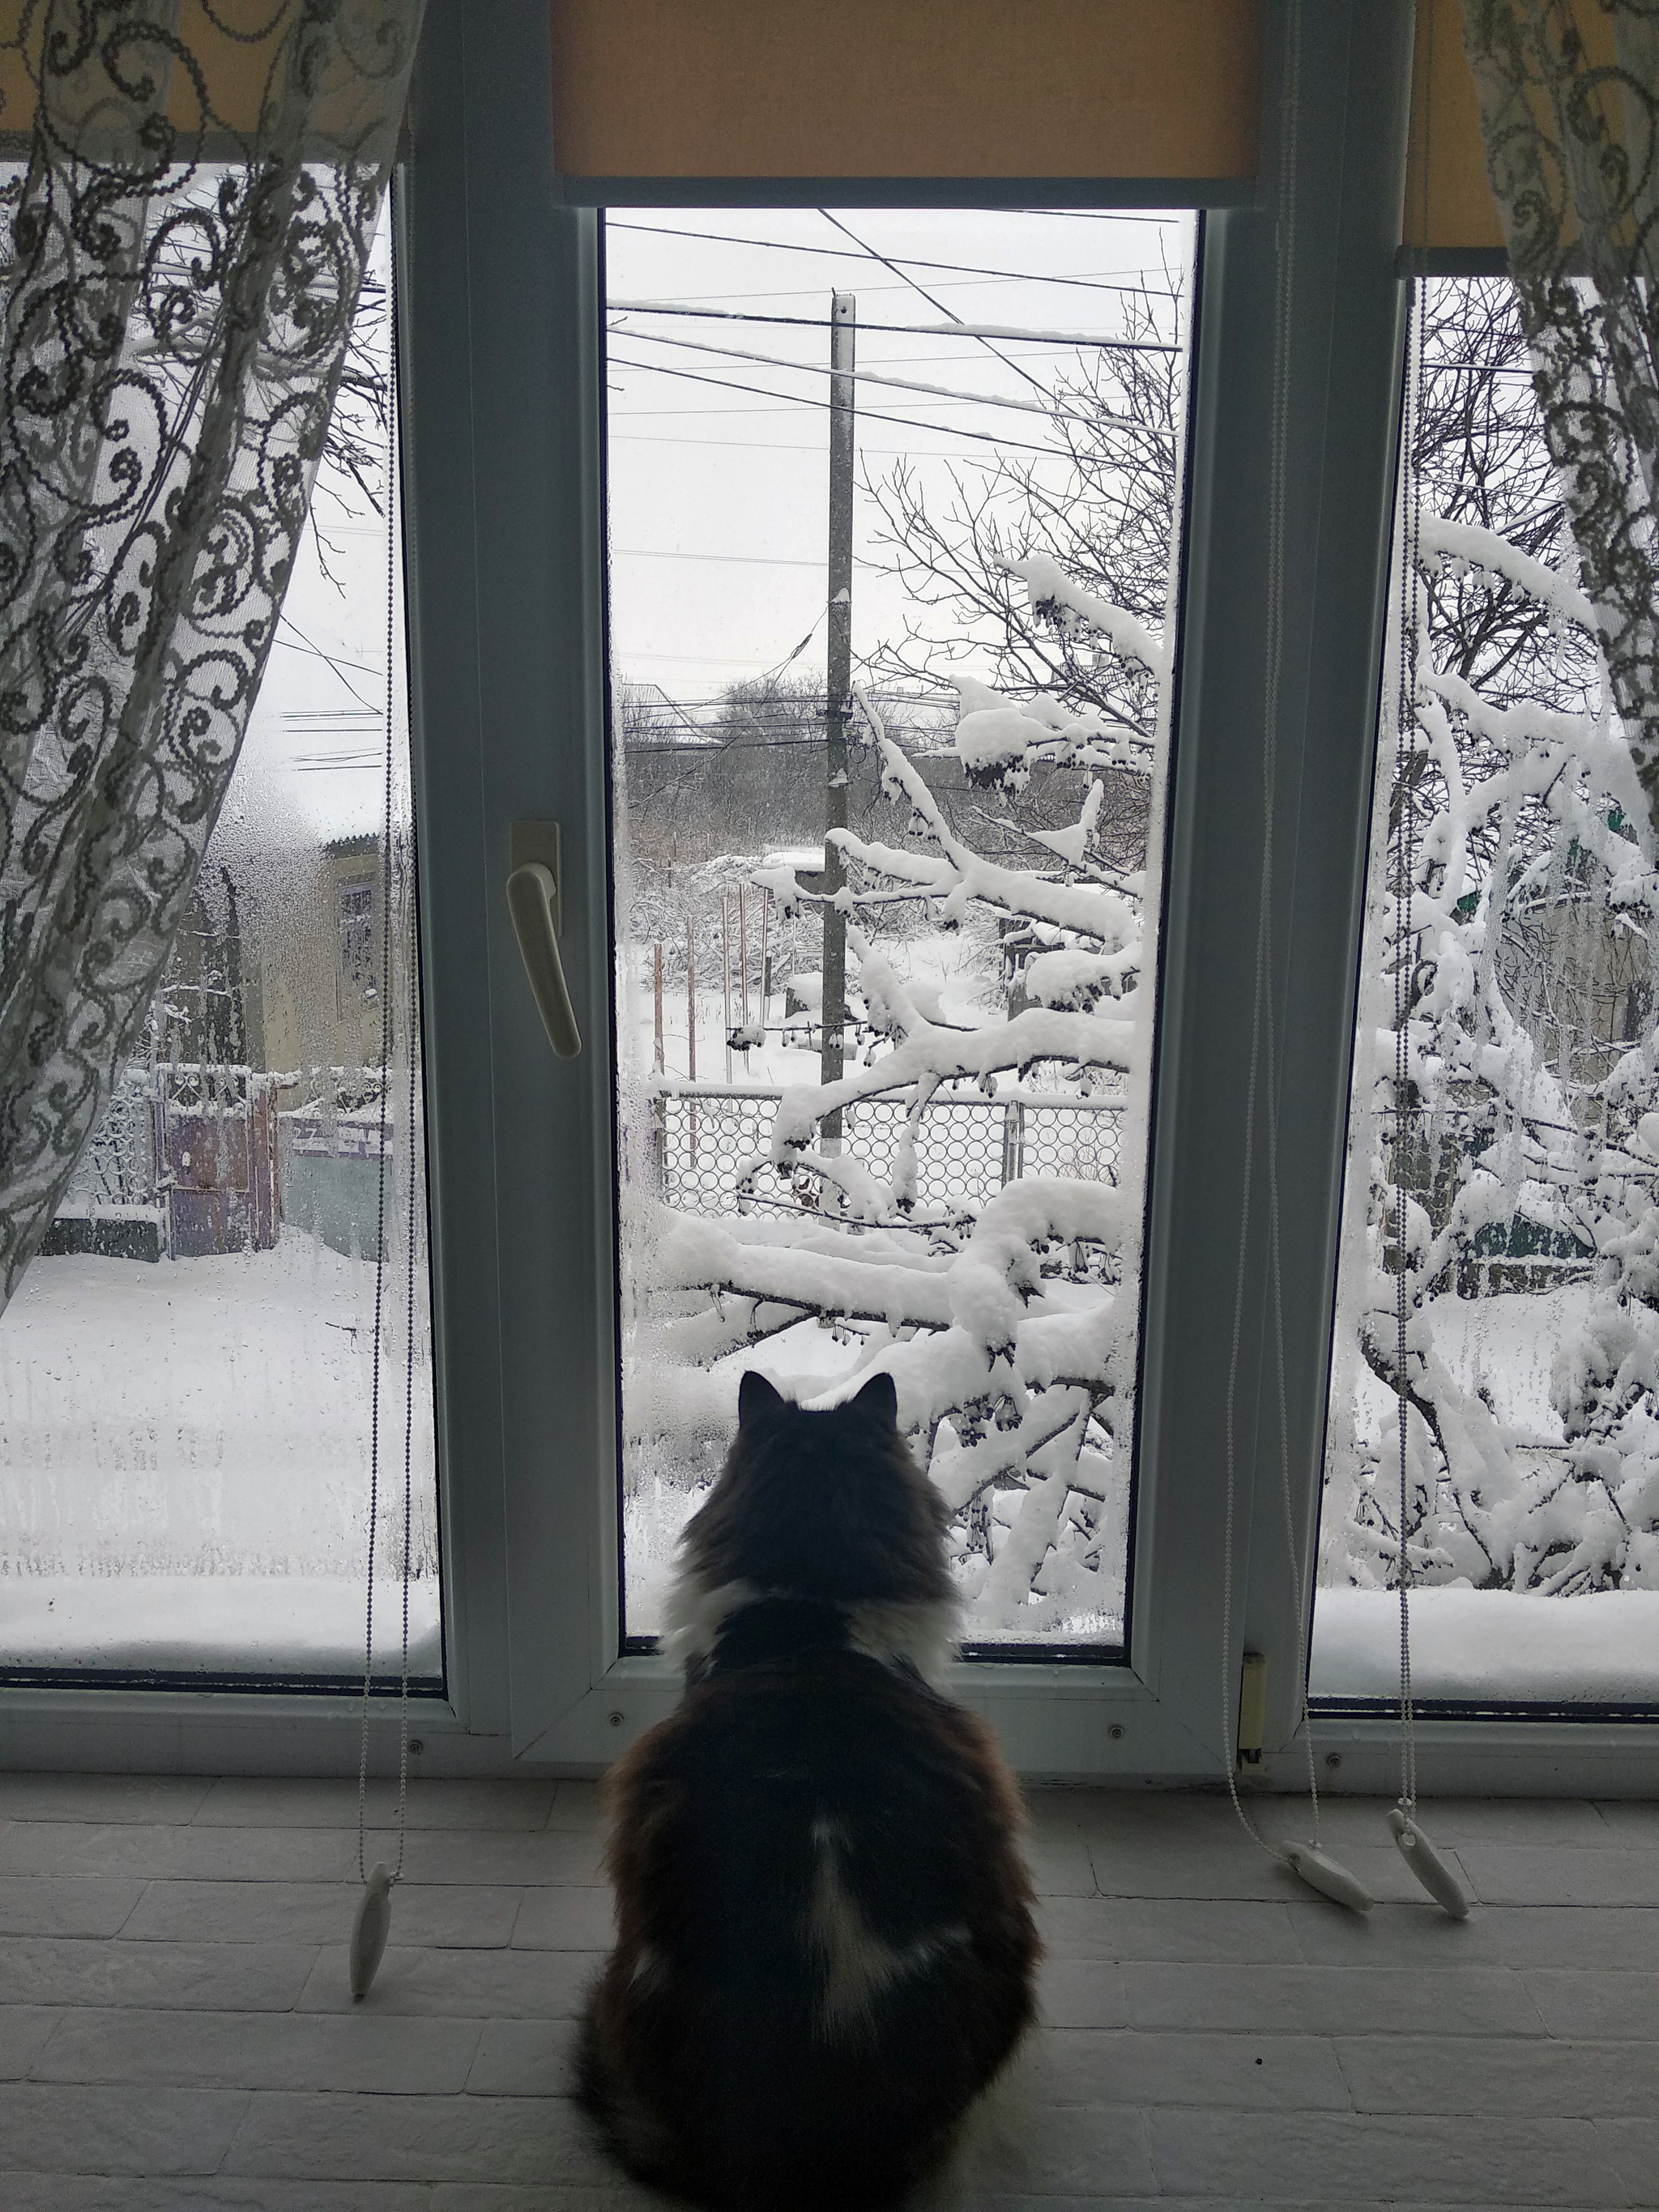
[
  {"x": 193, "y": 188},
  {"x": 1572, "y": 152}
]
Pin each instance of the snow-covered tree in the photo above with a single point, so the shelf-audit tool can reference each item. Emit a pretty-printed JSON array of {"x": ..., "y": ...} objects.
[
  {"x": 1522, "y": 947},
  {"x": 1513, "y": 928},
  {"x": 1010, "y": 1332}
]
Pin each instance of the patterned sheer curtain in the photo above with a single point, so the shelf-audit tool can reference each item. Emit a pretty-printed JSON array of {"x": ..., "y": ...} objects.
[
  {"x": 1573, "y": 151},
  {"x": 192, "y": 191}
]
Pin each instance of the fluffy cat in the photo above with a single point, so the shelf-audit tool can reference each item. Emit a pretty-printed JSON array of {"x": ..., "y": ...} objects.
[{"x": 825, "y": 1946}]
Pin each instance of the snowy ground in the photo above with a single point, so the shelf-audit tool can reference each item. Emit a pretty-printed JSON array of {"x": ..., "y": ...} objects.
[
  {"x": 1469, "y": 1644},
  {"x": 185, "y": 1464},
  {"x": 215, "y": 1623}
]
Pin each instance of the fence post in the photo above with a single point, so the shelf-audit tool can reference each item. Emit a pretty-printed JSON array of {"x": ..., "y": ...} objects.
[
  {"x": 726, "y": 970},
  {"x": 691, "y": 1028},
  {"x": 660, "y": 1142},
  {"x": 765, "y": 960},
  {"x": 1013, "y": 1142}
]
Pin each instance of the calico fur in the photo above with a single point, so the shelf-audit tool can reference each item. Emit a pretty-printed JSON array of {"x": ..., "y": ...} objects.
[{"x": 825, "y": 1945}]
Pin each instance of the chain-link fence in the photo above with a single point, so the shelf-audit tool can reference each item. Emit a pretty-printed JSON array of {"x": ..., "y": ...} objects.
[{"x": 967, "y": 1149}]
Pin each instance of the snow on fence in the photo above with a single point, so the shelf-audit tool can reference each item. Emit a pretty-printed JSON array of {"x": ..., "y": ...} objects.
[
  {"x": 967, "y": 1149},
  {"x": 193, "y": 1158},
  {"x": 183, "y": 1163}
]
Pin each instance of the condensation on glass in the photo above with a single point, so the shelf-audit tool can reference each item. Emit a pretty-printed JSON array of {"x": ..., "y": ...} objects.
[
  {"x": 882, "y": 1087},
  {"x": 1522, "y": 971},
  {"x": 187, "y": 1372}
]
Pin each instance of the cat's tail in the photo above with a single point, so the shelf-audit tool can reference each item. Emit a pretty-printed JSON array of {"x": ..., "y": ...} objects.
[{"x": 637, "y": 2136}]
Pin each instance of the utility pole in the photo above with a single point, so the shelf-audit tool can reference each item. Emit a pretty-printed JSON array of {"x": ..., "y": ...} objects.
[{"x": 843, "y": 322}]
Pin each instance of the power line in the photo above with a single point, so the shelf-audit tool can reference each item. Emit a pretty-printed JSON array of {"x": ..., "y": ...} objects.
[
  {"x": 1062, "y": 340},
  {"x": 922, "y": 292},
  {"x": 868, "y": 414},
  {"x": 1050, "y": 409},
  {"x": 761, "y": 445},
  {"x": 742, "y": 560},
  {"x": 337, "y": 664},
  {"x": 702, "y": 660},
  {"x": 715, "y": 746},
  {"x": 867, "y": 253},
  {"x": 1108, "y": 215},
  {"x": 869, "y": 290}
]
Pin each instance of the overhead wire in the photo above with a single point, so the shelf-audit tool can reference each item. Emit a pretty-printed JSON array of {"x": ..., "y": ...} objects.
[
  {"x": 1066, "y": 339},
  {"x": 867, "y": 414},
  {"x": 336, "y": 662},
  {"x": 1049, "y": 410},
  {"x": 766, "y": 444},
  {"x": 960, "y": 268},
  {"x": 1106, "y": 215},
  {"x": 740, "y": 560},
  {"x": 922, "y": 292}
]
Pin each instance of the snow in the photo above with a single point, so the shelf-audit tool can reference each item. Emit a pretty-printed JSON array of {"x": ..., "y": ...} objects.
[
  {"x": 218, "y": 1624},
  {"x": 1485, "y": 549},
  {"x": 185, "y": 1462},
  {"x": 1049, "y": 584},
  {"x": 1485, "y": 1644},
  {"x": 996, "y": 738},
  {"x": 1072, "y": 844},
  {"x": 989, "y": 1266}
]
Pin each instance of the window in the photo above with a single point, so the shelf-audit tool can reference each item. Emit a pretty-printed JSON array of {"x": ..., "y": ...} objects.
[
  {"x": 836, "y": 447},
  {"x": 1521, "y": 980},
  {"x": 189, "y": 1388},
  {"x": 357, "y": 901},
  {"x": 520, "y": 464},
  {"x": 512, "y": 667}
]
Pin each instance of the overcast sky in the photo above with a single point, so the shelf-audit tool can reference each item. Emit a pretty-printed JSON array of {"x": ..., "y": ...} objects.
[
  {"x": 718, "y": 471},
  {"x": 718, "y": 464}
]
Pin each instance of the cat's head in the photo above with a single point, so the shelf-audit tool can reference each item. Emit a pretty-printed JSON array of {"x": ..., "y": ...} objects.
[{"x": 827, "y": 1505}]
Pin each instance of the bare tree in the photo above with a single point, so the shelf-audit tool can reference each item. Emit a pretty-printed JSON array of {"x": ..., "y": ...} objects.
[{"x": 1101, "y": 505}]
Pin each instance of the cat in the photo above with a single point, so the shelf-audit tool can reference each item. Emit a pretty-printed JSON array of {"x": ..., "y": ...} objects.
[{"x": 825, "y": 1946}]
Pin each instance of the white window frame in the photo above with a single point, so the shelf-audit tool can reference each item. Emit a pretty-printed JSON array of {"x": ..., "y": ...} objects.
[{"x": 504, "y": 502}]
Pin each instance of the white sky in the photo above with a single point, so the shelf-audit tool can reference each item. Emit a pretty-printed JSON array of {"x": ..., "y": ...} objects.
[
  {"x": 719, "y": 497},
  {"x": 313, "y": 758}
]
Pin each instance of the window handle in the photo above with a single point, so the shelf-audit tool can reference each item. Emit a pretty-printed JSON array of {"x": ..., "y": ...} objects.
[{"x": 533, "y": 900}]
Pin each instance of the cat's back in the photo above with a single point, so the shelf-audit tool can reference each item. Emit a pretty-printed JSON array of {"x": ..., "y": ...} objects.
[{"x": 818, "y": 1800}]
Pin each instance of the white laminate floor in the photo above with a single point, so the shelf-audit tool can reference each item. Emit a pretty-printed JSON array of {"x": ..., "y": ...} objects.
[{"x": 176, "y": 2033}]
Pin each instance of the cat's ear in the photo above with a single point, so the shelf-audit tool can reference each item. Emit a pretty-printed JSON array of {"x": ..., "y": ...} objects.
[
  {"x": 879, "y": 1399},
  {"x": 757, "y": 1399}
]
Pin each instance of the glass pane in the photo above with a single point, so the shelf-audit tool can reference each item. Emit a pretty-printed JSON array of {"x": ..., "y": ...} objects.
[
  {"x": 187, "y": 1373},
  {"x": 893, "y": 501},
  {"x": 1524, "y": 972}
]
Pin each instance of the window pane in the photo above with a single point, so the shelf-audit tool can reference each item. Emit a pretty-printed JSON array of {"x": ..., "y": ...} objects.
[
  {"x": 187, "y": 1373},
  {"x": 892, "y": 514},
  {"x": 1524, "y": 972}
]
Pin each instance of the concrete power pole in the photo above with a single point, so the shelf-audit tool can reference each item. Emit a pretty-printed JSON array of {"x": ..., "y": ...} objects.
[{"x": 843, "y": 322}]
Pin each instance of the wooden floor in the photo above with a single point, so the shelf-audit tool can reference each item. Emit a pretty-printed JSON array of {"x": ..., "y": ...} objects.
[{"x": 176, "y": 2034}]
